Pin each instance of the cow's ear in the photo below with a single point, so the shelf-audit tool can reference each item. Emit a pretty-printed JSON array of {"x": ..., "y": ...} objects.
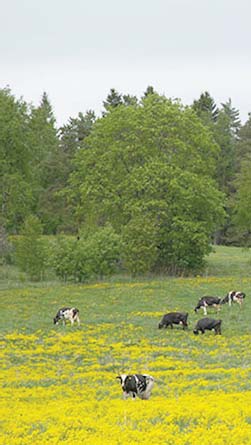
[{"x": 118, "y": 377}]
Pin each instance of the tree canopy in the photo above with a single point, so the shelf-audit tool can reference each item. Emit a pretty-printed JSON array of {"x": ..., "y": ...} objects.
[
  {"x": 149, "y": 168},
  {"x": 162, "y": 176}
]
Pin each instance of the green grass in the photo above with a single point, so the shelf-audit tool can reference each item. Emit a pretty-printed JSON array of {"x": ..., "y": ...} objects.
[
  {"x": 30, "y": 307},
  {"x": 33, "y": 308},
  {"x": 229, "y": 261}
]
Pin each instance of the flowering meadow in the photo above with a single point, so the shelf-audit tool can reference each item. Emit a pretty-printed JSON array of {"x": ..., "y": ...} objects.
[{"x": 59, "y": 386}]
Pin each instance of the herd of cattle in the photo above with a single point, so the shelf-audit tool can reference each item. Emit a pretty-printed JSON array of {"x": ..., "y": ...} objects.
[{"x": 141, "y": 384}]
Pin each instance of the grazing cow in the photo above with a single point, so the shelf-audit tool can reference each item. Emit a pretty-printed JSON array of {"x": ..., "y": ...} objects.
[
  {"x": 136, "y": 385},
  {"x": 67, "y": 313},
  {"x": 208, "y": 324},
  {"x": 174, "y": 318},
  {"x": 205, "y": 302},
  {"x": 234, "y": 297}
]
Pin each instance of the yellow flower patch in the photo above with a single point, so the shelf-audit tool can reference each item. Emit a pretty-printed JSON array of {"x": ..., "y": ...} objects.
[{"x": 61, "y": 388}]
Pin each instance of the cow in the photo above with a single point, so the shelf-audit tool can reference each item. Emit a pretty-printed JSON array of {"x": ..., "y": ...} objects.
[
  {"x": 234, "y": 297},
  {"x": 205, "y": 302},
  {"x": 174, "y": 318},
  {"x": 139, "y": 385},
  {"x": 208, "y": 324},
  {"x": 67, "y": 313}
]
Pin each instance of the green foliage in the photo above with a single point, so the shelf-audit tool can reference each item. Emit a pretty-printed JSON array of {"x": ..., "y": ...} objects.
[
  {"x": 224, "y": 124},
  {"x": 113, "y": 100},
  {"x": 75, "y": 131},
  {"x": 62, "y": 257},
  {"x": 15, "y": 156},
  {"x": 242, "y": 216},
  {"x": 19, "y": 200},
  {"x": 243, "y": 146},
  {"x": 30, "y": 249},
  {"x": 206, "y": 108},
  {"x": 145, "y": 167},
  {"x": 142, "y": 169},
  {"x": 225, "y": 132},
  {"x": 92, "y": 254},
  {"x": 139, "y": 252},
  {"x": 45, "y": 165},
  {"x": 241, "y": 202}
]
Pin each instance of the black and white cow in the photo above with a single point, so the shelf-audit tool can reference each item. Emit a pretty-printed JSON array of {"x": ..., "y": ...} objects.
[
  {"x": 67, "y": 313},
  {"x": 205, "y": 302},
  {"x": 208, "y": 324},
  {"x": 174, "y": 318},
  {"x": 136, "y": 385},
  {"x": 234, "y": 297}
]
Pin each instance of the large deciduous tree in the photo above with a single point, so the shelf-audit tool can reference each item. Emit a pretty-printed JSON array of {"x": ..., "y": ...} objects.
[{"x": 148, "y": 170}]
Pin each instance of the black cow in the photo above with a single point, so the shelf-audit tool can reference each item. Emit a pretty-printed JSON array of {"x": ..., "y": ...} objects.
[
  {"x": 136, "y": 385},
  {"x": 208, "y": 324},
  {"x": 234, "y": 297},
  {"x": 174, "y": 318},
  {"x": 67, "y": 313},
  {"x": 205, "y": 302}
]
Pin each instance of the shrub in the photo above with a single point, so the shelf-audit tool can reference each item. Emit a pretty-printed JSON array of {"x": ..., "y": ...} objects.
[{"x": 92, "y": 254}]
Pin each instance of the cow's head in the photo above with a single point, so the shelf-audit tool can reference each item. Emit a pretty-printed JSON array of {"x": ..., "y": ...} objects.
[
  {"x": 240, "y": 295},
  {"x": 127, "y": 382}
]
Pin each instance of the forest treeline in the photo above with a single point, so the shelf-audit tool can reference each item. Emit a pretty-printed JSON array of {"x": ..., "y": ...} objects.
[{"x": 152, "y": 182}]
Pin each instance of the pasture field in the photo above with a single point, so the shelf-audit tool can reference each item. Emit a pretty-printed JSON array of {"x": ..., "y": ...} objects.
[{"x": 58, "y": 384}]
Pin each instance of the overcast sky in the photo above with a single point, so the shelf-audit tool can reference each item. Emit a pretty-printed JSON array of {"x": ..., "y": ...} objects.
[{"x": 76, "y": 50}]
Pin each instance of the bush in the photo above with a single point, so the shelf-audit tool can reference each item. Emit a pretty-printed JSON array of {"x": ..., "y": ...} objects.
[{"x": 93, "y": 254}]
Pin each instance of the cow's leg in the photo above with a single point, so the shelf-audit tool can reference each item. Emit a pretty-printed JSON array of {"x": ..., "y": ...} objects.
[{"x": 205, "y": 310}]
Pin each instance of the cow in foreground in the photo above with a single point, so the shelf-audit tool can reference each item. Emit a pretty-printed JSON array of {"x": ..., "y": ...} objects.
[
  {"x": 234, "y": 297},
  {"x": 174, "y": 318},
  {"x": 206, "y": 302},
  {"x": 139, "y": 385},
  {"x": 208, "y": 324},
  {"x": 67, "y": 313}
]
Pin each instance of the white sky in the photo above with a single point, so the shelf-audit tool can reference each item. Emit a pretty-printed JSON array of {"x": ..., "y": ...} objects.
[{"x": 77, "y": 50}]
